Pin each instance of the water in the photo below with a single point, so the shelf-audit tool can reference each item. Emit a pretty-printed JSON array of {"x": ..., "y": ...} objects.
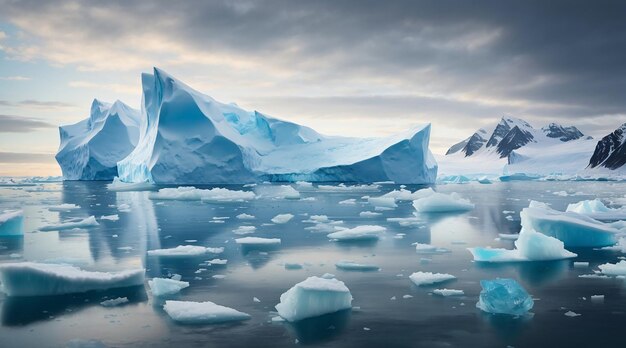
[{"x": 425, "y": 320}]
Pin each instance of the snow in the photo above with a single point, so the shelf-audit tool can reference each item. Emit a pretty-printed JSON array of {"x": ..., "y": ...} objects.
[
  {"x": 530, "y": 246},
  {"x": 448, "y": 292},
  {"x": 597, "y": 210},
  {"x": 90, "y": 149},
  {"x": 429, "y": 278},
  {"x": 244, "y": 216},
  {"x": 435, "y": 202},
  {"x": 11, "y": 223},
  {"x": 166, "y": 286},
  {"x": 185, "y": 251},
  {"x": 114, "y": 302},
  {"x": 41, "y": 279},
  {"x": 385, "y": 202},
  {"x": 359, "y": 233},
  {"x": 63, "y": 207},
  {"x": 504, "y": 296},
  {"x": 280, "y": 192},
  {"x": 113, "y": 217},
  {"x": 188, "y": 312},
  {"x": 189, "y": 193},
  {"x": 314, "y": 297},
  {"x": 257, "y": 241},
  {"x": 613, "y": 269},
  {"x": 369, "y": 214},
  {"x": 574, "y": 229},
  {"x": 354, "y": 266},
  {"x": 189, "y": 137},
  {"x": 282, "y": 218},
  {"x": 80, "y": 223}
]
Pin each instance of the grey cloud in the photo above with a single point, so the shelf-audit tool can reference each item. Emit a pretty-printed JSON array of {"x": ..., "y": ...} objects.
[
  {"x": 18, "y": 157},
  {"x": 18, "y": 124}
]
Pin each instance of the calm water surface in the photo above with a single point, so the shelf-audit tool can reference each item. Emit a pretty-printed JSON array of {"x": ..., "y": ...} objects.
[{"x": 424, "y": 320}]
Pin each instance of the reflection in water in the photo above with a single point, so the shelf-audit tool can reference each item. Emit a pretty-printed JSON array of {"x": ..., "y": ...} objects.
[
  {"x": 536, "y": 273},
  {"x": 11, "y": 245},
  {"x": 507, "y": 327},
  {"x": 322, "y": 328}
]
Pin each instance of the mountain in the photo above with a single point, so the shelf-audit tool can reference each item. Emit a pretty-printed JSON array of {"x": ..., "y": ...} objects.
[
  {"x": 90, "y": 149},
  {"x": 190, "y": 138},
  {"x": 610, "y": 152}
]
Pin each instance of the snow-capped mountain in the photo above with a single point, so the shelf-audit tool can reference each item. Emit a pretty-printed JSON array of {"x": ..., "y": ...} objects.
[
  {"x": 610, "y": 152},
  {"x": 90, "y": 149}
]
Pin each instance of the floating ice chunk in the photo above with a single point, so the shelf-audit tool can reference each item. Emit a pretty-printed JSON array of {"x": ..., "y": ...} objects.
[
  {"x": 504, "y": 296},
  {"x": 245, "y": 216},
  {"x": 506, "y": 236},
  {"x": 350, "y": 201},
  {"x": 314, "y": 297},
  {"x": 114, "y": 302},
  {"x": 359, "y": 233},
  {"x": 404, "y": 195},
  {"x": 344, "y": 188},
  {"x": 84, "y": 223},
  {"x": 257, "y": 241},
  {"x": 189, "y": 193},
  {"x": 448, "y": 292},
  {"x": 409, "y": 221},
  {"x": 442, "y": 203},
  {"x": 428, "y": 278},
  {"x": 574, "y": 229},
  {"x": 597, "y": 210},
  {"x": 244, "y": 230},
  {"x": 281, "y": 192},
  {"x": 185, "y": 251},
  {"x": 187, "y": 312},
  {"x": 255, "y": 299},
  {"x": 353, "y": 266},
  {"x": 63, "y": 207},
  {"x": 384, "y": 202},
  {"x": 282, "y": 218},
  {"x": 421, "y": 248},
  {"x": 614, "y": 269},
  {"x": 120, "y": 186},
  {"x": 42, "y": 279},
  {"x": 12, "y": 223},
  {"x": 318, "y": 219},
  {"x": 166, "y": 286},
  {"x": 124, "y": 208},
  {"x": 113, "y": 217},
  {"x": 369, "y": 214},
  {"x": 328, "y": 276},
  {"x": 217, "y": 262},
  {"x": 571, "y": 314},
  {"x": 484, "y": 180},
  {"x": 531, "y": 246}
]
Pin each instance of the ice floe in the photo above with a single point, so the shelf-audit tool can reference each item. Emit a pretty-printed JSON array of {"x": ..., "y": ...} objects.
[
  {"x": 188, "y": 312},
  {"x": 114, "y": 302},
  {"x": 314, "y": 297},
  {"x": 448, "y": 292},
  {"x": 354, "y": 266},
  {"x": 78, "y": 223},
  {"x": 530, "y": 246},
  {"x": 189, "y": 193},
  {"x": 257, "y": 241},
  {"x": 504, "y": 296},
  {"x": 359, "y": 233},
  {"x": 429, "y": 278},
  {"x": 282, "y": 218},
  {"x": 614, "y": 269},
  {"x": 12, "y": 223},
  {"x": 597, "y": 210},
  {"x": 166, "y": 286},
  {"x": 436, "y": 202},
  {"x": 63, "y": 207},
  {"x": 185, "y": 251}
]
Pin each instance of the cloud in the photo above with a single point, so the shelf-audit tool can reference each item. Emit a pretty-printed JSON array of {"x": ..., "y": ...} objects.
[
  {"x": 18, "y": 157},
  {"x": 15, "y": 78},
  {"x": 114, "y": 87},
  {"x": 18, "y": 124},
  {"x": 43, "y": 104}
]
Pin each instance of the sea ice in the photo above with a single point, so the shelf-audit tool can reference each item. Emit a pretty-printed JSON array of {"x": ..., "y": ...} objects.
[
  {"x": 114, "y": 302},
  {"x": 614, "y": 269},
  {"x": 11, "y": 223},
  {"x": 113, "y": 217},
  {"x": 187, "y": 312},
  {"x": 597, "y": 210},
  {"x": 421, "y": 248},
  {"x": 120, "y": 186},
  {"x": 189, "y": 193},
  {"x": 345, "y": 188},
  {"x": 428, "y": 278},
  {"x": 504, "y": 296},
  {"x": 314, "y": 297},
  {"x": 80, "y": 223},
  {"x": 257, "y": 241},
  {"x": 442, "y": 203},
  {"x": 384, "y": 202},
  {"x": 359, "y": 233},
  {"x": 244, "y": 216},
  {"x": 530, "y": 246},
  {"x": 185, "y": 251},
  {"x": 63, "y": 207},
  {"x": 166, "y": 286},
  {"x": 354, "y": 266},
  {"x": 282, "y": 218},
  {"x": 280, "y": 192},
  {"x": 217, "y": 262},
  {"x": 369, "y": 214},
  {"x": 41, "y": 279},
  {"x": 448, "y": 292},
  {"x": 244, "y": 230}
]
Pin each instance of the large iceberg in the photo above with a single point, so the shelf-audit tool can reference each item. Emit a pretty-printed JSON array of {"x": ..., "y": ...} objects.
[
  {"x": 314, "y": 297},
  {"x": 91, "y": 148},
  {"x": 188, "y": 137},
  {"x": 42, "y": 279},
  {"x": 504, "y": 296},
  {"x": 11, "y": 223}
]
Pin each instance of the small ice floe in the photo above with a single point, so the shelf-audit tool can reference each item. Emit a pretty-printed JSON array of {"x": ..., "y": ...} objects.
[
  {"x": 354, "y": 266},
  {"x": 580, "y": 264},
  {"x": 448, "y": 292},
  {"x": 185, "y": 251},
  {"x": 217, "y": 262},
  {"x": 403, "y": 195},
  {"x": 614, "y": 269},
  {"x": 435, "y": 202},
  {"x": 422, "y": 248},
  {"x": 350, "y": 201},
  {"x": 244, "y": 230},
  {"x": 407, "y": 296},
  {"x": 165, "y": 286},
  {"x": 531, "y": 246},
  {"x": 428, "y": 278},
  {"x": 244, "y": 216},
  {"x": 408, "y": 221},
  {"x": 369, "y": 214},
  {"x": 383, "y": 202},
  {"x": 113, "y": 217},
  {"x": 504, "y": 296},
  {"x": 597, "y": 298},
  {"x": 282, "y": 218},
  {"x": 571, "y": 314},
  {"x": 121, "y": 186},
  {"x": 114, "y": 302},
  {"x": 218, "y": 276},
  {"x": 509, "y": 217},
  {"x": 314, "y": 297},
  {"x": 41, "y": 279},
  {"x": 597, "y": 210},
  {"x": 124, "y": 208},
  {"x": 188, "y": 312},
  {"x": 594, "y": 276},
  {"x": 80, "y": 223},
  {"x": 328, "y": 276},
  {"x": 574, "y": 229},
  {"x": 189, "y": 193},
  {"x": 508, "y": 236},
  {"x": 344, "y": 188},
  {"x": 292, "y": 265},
  {"x": 484, "y": 180},
  {"x": 399, "y": 235},
  {"x": 257, "y": 241},
  {"x": 278, "y": 192},
  {"x": 63, "y": 207},
  {"x": 359, "y": 233},
  {"x": 255, "y": 299},
  {"x": 12, "y": 223}
]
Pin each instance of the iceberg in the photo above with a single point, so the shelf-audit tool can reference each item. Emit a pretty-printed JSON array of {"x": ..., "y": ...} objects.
[
  {"x": 504, "y": 296},
  {"x": 435, "y": 202},
  {"x": 531, "y": 246},
  {"x": 359, "y": 233},
  {"x": 91, "y": 148},
  {"x": 188, "y": 137},
  {"x": 165, "y": 286},
  {"x": 42, "y": 279},
  {"x": 189, "y": 193},
  {"x": 314, "y": 297},
  {"x": 188, "y": 312},
  {"x": 597, "y": 210},
  {"x": 428, "y": 278},
  {"x": 80, "y": 223},
  {"x": 573, "y": 229},
  {"x": 11, "y": 223}
]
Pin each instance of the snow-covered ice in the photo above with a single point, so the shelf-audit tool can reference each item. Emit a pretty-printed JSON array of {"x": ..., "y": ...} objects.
[
  {"x": 188, "y": 312},
  {"x": 12, "y": 223},
  {"x": 63, "y": 207},
  {"x": 354, "y": 266},
  {"x": 597, "y": 210},
  {"x": 437, "y": 202},
  {"x": 384, "y": 202},
  {"x": 359, "y": 233},
  {"x": 79, "y": 223},
  {"x": 282, "y": 218},
  {"x": 429, "y": 278},
  {"x": 257, "y": 241},
  {"x": 422, "y": 248},
  {"x": 119, "y": 186},
  {"x": 314, "y": 297},
  {"x": 185, "y": 251},
  {"x": 504, "y": 296},
  {"x": 614, "y": 269},
  {"x": 448, "y": 292},
  {"x": 189, "y": 193},
  {"x": 530, "y": 246},
  {"x": 166, "y": 286}
]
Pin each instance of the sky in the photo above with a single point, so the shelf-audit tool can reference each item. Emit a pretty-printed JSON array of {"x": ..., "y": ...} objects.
[{"x": 356, "y": 68}]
